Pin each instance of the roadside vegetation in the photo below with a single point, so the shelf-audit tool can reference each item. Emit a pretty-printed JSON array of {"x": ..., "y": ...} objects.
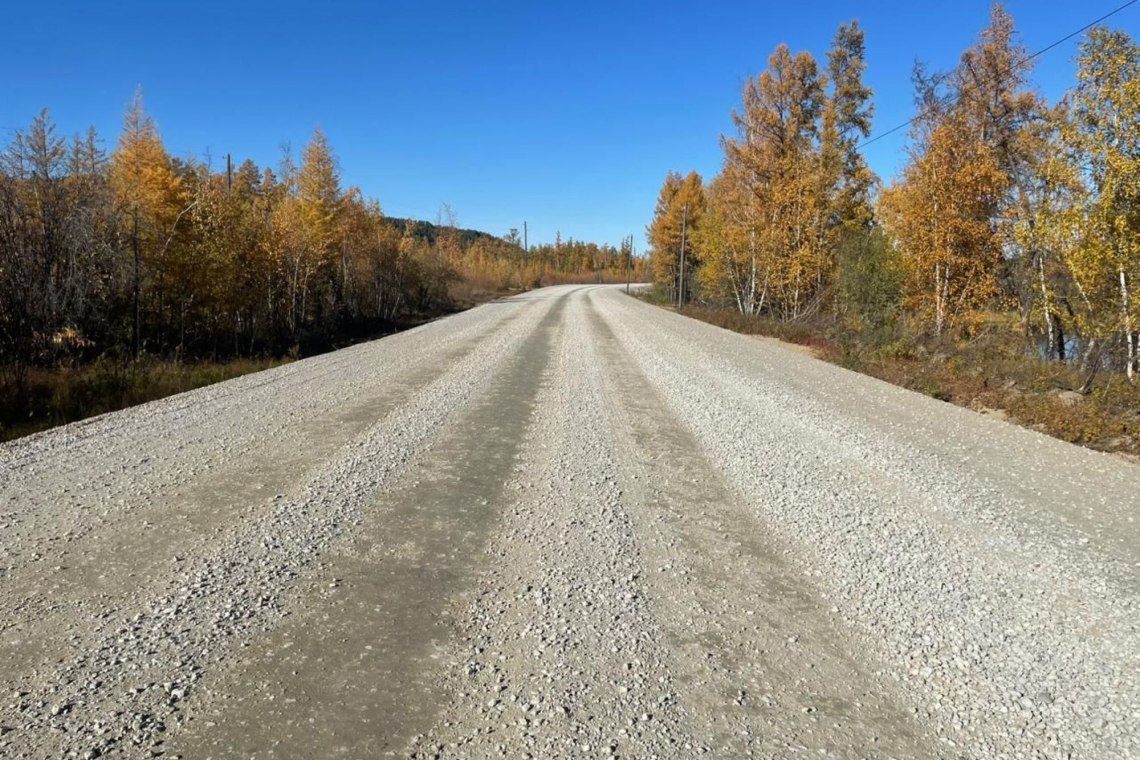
[
  {"x": 990, "y": 374},
  {"x": 997, "y": 270},
  {"x": 130, "y": 275},
  {"x": 56, "y": 395}
]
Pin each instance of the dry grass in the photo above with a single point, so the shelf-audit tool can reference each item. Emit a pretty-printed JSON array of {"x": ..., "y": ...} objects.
[
  {"x": 604, "y": 277},
  {"x": 800, "y": 333},
  {"x": 57, "y": 396}
]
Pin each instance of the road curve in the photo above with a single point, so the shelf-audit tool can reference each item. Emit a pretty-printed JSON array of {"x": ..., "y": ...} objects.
[{"x": 565, "y": 524}]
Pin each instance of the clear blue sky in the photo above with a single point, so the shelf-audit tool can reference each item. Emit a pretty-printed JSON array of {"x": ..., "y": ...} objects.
[{"x": 567, "y": 115}]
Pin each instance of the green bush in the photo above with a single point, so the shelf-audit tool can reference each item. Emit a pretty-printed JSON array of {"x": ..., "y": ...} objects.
[{"x": 870, "y": 281}]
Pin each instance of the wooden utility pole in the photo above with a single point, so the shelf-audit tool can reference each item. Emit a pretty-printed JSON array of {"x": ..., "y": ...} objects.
[
  {"x": 526, "y": 242},
  {"x": 629, "y": 265},
  {"x": 681, "y": 285},
  {"x": 229, "y": 173}
]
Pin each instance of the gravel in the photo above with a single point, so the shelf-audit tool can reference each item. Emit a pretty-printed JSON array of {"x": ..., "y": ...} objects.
[
  {"x": 100, "y": 687},
  {"x": 992, "y": 569},
  {"x": 701, "y": 544},
  {"x": 560, "y": 654}
]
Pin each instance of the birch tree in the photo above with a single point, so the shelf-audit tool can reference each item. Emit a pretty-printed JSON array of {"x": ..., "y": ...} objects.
[{"x": 1104, "y": 136}]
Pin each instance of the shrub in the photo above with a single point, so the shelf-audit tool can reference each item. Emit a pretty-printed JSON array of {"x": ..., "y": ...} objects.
[{"x": 870, "y": 280}]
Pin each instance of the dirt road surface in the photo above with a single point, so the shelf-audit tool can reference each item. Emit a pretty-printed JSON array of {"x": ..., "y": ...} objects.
[{"x": 565, "y": 524}]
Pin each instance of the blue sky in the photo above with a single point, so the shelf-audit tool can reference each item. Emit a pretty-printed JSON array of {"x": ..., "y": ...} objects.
[{"x": 564, "y": 115}]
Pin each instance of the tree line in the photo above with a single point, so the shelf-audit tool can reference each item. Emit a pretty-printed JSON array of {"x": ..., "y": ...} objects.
[
  {"x": 1009, "y": 211},
  {"x": 136, "y": 252}
]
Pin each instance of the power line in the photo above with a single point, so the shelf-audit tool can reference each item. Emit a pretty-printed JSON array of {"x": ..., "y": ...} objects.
[{"x": 1015, "y": 66}]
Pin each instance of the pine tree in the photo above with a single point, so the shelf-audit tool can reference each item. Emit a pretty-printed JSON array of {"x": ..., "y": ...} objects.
[{"x": 846, "y": 122}]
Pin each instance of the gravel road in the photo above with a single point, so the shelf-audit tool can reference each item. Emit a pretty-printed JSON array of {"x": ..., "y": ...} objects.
[{"x": 565, "y": 524}]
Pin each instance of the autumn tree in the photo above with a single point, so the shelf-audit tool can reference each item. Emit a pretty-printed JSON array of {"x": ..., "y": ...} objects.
[
  {"x": 227, "y": 228},
  {"x": 299, "y": 230},
  {"x": 1102, "y": 135},
  {"x": 1042, "y": 228},
  {"x": 141, "y": 252},
  {"x": 773, "y": 196},
  {"x": 992, "y": 88},
  {"x": 151, "y": 196},
  {"x": 951, "y": 212},
  {"x": 35, "y": 237},
  {"x": 779, "y": 152},
  {"x": 319, "y": 206},
  {"x": 735, "y": 267},
  {"x": 940, "y": 216},
  {"x": 55, "y": 262},
  {"x": 680, "y": 208}
]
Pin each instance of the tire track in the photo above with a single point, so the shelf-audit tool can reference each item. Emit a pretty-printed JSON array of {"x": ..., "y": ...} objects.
[
  {"x": 1010, "y": 637},
  {"x": 352, "y": 671},
  {"x": 766, "y": 670}
]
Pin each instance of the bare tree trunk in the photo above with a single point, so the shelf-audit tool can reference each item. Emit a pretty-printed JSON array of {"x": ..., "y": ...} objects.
[
  {"x": 294, "y": 287},
  {"x": 137, "y": 333},
  {"x": 181, "y": 328},
  {"x": 1048, "y": 307},
  {"x": 1129, "y": 334},
  {"x": 939, "y": 315},
  {"x": 1060, "y": 337},
  {"x": 752, "y": 278}
]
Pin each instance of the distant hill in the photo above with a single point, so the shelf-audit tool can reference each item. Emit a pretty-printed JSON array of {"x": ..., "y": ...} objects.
[{"x": 428, "y": 231}]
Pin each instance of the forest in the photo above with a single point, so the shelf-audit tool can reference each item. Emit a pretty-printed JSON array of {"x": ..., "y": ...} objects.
[
  {"x": 1012, "y": 230},
  {"x": 128, "y": 274}
]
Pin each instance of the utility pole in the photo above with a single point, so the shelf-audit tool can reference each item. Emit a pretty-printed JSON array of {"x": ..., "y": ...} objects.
[
  {"x": 681, "y": 287},
  {"x": 229, "y": 173},
  {"x": 629, "y": 265},
  {"x": 526, "y": 242}
]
